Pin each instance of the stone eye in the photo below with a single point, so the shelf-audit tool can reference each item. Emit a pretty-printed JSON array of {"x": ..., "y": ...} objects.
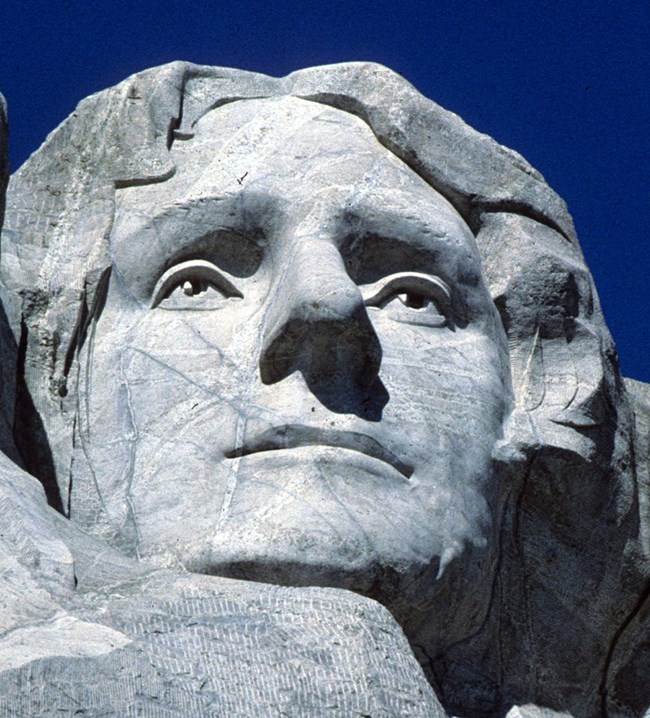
[
  {"x": 196, "y": 284},
  {"x": 411, "y": 298},
  {"x": 194, "y": 287},
  {"x": 414, "y": 300}
]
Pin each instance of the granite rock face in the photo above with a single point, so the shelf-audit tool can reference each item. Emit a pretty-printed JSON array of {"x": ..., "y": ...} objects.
[
  {"x": 4, "y": 157},
  {"x": 85, "y": 630},
  {"x": 318, "y": 334}
]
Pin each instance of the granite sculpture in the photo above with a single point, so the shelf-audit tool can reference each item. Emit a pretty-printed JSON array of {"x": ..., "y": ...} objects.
[{"x": 316, "y": 382}]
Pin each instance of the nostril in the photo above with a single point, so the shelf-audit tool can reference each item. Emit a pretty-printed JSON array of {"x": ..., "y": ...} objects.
[
  {"x": 282, "y": 353},
  {"x": 318, "y": 323},
  {"x": 327, "y": 349},
  {"x": 340, "y": 367}
]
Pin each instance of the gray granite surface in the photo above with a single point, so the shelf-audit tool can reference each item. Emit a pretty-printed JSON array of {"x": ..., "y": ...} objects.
[{"x": 323, "y": 415}]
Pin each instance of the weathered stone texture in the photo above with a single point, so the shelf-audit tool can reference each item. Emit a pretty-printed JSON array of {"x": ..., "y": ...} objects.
[
  {"x": 86, "y": 629},
  {"x": 317, "y": 333}
]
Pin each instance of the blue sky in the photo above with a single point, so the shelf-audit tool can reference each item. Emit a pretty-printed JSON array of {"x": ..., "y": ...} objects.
[{"x": 565, "y": 84}]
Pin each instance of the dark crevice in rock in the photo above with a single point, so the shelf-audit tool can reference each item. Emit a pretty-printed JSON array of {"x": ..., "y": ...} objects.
[
  {"x": 427, "y": 663},
  {"x": 99, "y": 300},
  {"x": 175, "y": 122},
  {"x": 70, "y": 471},
  {"x": 29, "y": 433},
  {"x": 77, "y": 333},
  {"x": 527, "y": 643},
  {"x": 142, "y": 181},
  {"x": 638, "y": 607}
]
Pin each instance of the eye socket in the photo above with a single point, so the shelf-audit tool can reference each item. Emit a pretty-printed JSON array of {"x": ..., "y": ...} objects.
[
  {"x": 196, "y": 284},
  {"x": 411, "y": 298}
]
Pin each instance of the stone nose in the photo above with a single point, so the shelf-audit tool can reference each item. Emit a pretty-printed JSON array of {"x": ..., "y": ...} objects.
[{"x": 317, "y": 324}]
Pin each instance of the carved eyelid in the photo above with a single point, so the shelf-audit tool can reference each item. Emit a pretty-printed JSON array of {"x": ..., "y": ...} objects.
[
  {"x": 192, "y": 270},
  {"x": 375, "y": 295}
]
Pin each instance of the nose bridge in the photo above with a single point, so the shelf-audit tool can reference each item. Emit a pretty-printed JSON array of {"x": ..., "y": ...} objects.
[
  {"x": 319, "y": 287},
  {"x": 317, "y": 322}
]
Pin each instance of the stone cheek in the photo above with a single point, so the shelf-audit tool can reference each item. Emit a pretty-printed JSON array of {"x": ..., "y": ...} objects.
[{"x": 318, "y": 334}]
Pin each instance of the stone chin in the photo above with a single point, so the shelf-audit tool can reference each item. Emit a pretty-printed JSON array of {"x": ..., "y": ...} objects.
[
  {"x": 445, "y": 598},
  {"x": 332, "y": 252},
  {"x": 431, "y": 566},
  {"x": 296, "y": 373}
]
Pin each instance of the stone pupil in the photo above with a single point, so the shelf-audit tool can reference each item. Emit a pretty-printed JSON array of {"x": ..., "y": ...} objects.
[
  {"x": 414, "y": 301},
  {"x": 192, "y": 287}
]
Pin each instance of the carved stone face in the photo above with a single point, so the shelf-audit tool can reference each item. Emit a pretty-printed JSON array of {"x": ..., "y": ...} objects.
[{"x": 298, "y": 372}]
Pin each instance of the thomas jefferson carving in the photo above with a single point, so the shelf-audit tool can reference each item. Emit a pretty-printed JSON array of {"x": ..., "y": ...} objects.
[{"x": 317, "y": 332}]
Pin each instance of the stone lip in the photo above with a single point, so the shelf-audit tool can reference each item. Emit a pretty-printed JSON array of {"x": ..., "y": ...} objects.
[
  {"x": 180, "y": 644},
  {"x": 576, "y": 521},
  {"x": 291, "y": 436}
]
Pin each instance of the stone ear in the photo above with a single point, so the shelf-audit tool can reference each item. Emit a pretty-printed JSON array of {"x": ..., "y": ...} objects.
[{"x": 564, "y": 373}]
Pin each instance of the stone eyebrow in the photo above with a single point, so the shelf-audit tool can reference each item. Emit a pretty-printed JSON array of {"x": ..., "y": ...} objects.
[
  {"x": 204, "y": 224},
  {"x": 211, "y": 228},
  {"x": 364, "y": 234},
  {"x": 211, "y": 213},
  {"x": 399, "y": 224},
  {"x": 195, "y": 209}
]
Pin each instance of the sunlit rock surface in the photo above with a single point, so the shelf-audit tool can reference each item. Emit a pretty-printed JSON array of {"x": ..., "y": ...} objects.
[{"x": 318, "y": 334}]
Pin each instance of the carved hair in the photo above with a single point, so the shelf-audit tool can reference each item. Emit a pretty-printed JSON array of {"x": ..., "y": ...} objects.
[{"x": 569, "y": 437}]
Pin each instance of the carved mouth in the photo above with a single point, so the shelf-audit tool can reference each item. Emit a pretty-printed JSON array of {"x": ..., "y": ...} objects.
[{"x": 292, "y": 436}]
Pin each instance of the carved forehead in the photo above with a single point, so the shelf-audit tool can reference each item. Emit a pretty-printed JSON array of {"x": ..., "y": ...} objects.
[
  {"x": 287, "y": 151},
  {"x": 259, "y": 138},
  {"x": 275, "y": 123},
  {"x": 280, "y": 137},
  {"x": 287, "y": 167}
]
